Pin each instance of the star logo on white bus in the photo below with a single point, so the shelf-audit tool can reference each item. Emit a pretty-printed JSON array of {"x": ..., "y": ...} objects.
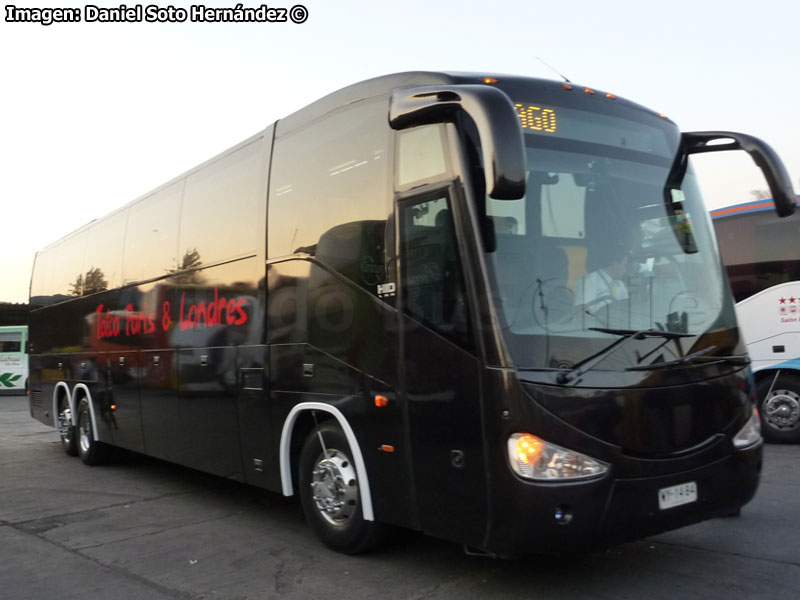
[{"x": 788, "y": 305}]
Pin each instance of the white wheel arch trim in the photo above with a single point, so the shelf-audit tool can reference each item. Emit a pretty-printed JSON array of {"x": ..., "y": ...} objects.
[
  {"x": 62, "y": 386},
  {"x": 358, "y": 458},
  {"x": 82, "y": 386}
]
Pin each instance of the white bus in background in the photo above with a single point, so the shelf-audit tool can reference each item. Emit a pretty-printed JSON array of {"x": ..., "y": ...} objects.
[
  {"x": 13, "y": 359},
  {"x": 762, "y": 257}
]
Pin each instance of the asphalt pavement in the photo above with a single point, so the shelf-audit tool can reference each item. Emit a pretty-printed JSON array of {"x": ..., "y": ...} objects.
[{"x": 142, "y": 528}]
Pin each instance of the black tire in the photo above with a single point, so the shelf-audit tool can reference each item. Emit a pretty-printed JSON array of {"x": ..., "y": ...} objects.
[
  {"x": 330, "y": 495},
  {"x": 66, "y": 429},
  {"x": 90, "y": 450},
  {"x": 780, "y": 413}
]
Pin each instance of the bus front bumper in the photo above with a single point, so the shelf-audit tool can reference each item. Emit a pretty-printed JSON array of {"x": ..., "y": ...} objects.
[{"x": 543, "y": 518}]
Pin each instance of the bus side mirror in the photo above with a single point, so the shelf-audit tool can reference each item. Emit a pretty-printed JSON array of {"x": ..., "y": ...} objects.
[
  {"x": 497, "y": 122},
  {"x": 762, "y": 154}
]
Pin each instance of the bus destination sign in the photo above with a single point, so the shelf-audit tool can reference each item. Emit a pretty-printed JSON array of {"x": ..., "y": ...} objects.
[{"x": 536, "y": 118}]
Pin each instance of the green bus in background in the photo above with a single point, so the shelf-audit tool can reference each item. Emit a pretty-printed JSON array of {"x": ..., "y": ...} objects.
[{"x": 13, "y": 359}]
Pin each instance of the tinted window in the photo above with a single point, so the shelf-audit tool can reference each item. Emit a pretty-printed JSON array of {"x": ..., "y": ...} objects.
[
  {"x": 10, "y": 342},
  {"x": 432, "y": 282},
  {"x": 330, "y": 193},
  {"x": 222, "y": 208},
  {"x": 151, "y": 242},
  {"x": 759, "y": 251},
  {"x": 42, "y": 279},
  {"x": 420, "y": 156},
  {"x": 102, "y": 268},
  {"x": 67, "y": 262}
]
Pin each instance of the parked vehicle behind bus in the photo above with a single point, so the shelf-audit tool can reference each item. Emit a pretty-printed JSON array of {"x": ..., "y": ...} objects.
[
  {"x": 13, "y": 359},
  {"x": 762, "y": 257},
  {"x": 396, "y": 303}
]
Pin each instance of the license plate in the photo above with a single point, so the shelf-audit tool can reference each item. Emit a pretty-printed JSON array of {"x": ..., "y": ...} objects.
[{"x": 677, "y": 495}]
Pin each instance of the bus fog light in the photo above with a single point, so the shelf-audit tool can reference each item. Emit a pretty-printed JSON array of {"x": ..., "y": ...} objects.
[
  {"x": 563, "y": 515},
  {"x": 750, "y": 434},
  {"x": 533, "y": 458}
]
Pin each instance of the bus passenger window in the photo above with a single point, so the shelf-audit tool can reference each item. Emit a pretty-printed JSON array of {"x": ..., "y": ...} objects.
[
  {"x": 421, "y": 156},
  {"x": 151, "y": 240},
  {"x": 330, "y": 195},
  {"x": 432, "y": 279},
  {"x": 102, "y": 268},
  {"x": 10, "y": 342},
  {"x": 226, "y": 192}
]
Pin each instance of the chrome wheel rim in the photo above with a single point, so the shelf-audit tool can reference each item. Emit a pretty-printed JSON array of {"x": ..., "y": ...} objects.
[
  {"x": 782, "y": 409},
  {"x": 84, "y": 432},
  {"x": 334, "y": 487},
  {"x": 65, "y": 423}
]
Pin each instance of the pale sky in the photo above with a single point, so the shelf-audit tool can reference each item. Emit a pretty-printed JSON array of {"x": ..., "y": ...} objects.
[{"x": 95, "y": 114}]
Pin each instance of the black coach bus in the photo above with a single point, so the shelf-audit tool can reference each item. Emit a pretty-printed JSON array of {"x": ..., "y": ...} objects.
[{"x": 487, "y": 308}]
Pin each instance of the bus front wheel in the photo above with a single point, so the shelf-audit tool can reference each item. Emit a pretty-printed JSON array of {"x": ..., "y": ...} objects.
[
  {"x": 330, "y": 495},
  {"x": 780, "y": 411},
  {"x": 91, "y": 451}
]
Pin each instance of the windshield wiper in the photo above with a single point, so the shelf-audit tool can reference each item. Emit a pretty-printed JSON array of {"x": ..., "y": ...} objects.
[
  {"x": 678, "y": 361},
  {"x": 734, "y": 359},
  {"x": 643, "y": 333},
  {"x": 590, "y": 361},
  {"x": 669, "y": 336}
]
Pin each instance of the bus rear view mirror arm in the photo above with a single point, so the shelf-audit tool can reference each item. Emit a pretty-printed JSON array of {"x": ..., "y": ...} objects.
[
  {"x": 494, "y": 116},
  {"x": 763, "y": 155}
]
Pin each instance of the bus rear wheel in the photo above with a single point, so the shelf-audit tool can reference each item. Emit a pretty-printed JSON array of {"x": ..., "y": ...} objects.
[
  {"x": 90, "y": 451},
  {"x": 330, "y": 494},
  {"x": 780, "y": 411},
  {"x": 66, "y": 429}
]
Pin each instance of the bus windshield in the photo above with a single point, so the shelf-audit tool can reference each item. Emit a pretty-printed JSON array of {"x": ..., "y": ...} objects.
[{"x": 595, "y": 246}]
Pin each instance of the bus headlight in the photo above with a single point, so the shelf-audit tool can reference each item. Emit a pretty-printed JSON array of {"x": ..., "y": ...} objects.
[
  {"x": 750, "y": 434},
  {"x": 533, "y": 458}
]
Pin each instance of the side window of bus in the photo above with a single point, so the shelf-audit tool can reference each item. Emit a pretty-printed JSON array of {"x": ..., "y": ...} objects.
[
  {"x": 102, "y": 268},
  {"x": 433, "y": 287},
  {"x": 42, "y": 279},
  {"x": 330, "y": 195},
  {"x": 228, "y": 193},
  {"x": 10, "y": 342},
  {"x": 151, "y": 241},
  {"x": 67, "y": 267},
  {"x": 421, "y": 157},
  {"x": 754, "y": 266}
]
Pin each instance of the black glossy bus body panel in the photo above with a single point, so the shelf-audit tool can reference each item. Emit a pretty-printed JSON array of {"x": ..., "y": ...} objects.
[
  {"x": 124, "y": 375},
  {"x": 665, "y": 413},
  {"x": 159, "y": 400},
  {"x": 443, "y": 393},
  {"x": 332, "y": 342},
  {"x": 165, "y": 383}
]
